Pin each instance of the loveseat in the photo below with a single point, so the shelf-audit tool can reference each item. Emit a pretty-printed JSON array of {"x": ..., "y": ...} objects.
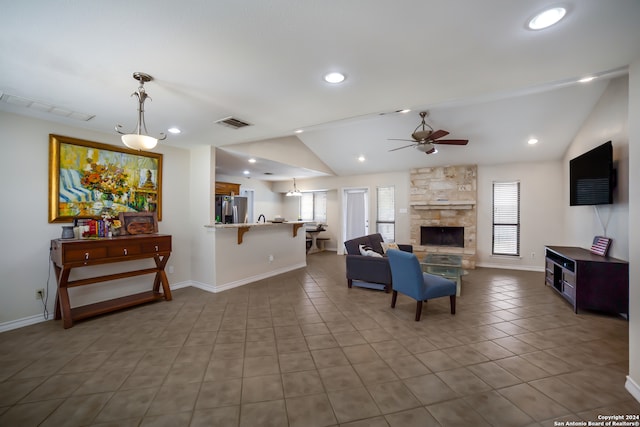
[{"x": 369, "y": 269}]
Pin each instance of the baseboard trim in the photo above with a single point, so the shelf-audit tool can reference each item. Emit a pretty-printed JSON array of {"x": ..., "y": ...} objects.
[
  {"x": 38, "y": 318},
  {"x": 21, "y": 323},
  {"x": 262, "y": 276},
  {"x": 633, "y": 388},
  {"x": 511, "y": 267}
]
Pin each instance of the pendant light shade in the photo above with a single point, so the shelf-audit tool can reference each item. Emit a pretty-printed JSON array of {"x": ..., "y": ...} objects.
[
  {"x": 138, "y": 140},
  {"x": 295, "y": 192}
]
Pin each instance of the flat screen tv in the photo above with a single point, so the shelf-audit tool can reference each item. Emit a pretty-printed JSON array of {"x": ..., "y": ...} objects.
[{"x": 591, "y": 177}]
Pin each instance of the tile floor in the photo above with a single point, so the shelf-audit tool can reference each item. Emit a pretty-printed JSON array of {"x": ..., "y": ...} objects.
[{"x": 302, "y": 349}]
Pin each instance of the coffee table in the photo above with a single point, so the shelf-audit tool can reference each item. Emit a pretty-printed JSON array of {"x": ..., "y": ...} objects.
[{"x": 446, "y": 265}]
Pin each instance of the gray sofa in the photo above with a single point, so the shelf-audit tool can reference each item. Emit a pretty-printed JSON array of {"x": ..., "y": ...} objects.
[{"x": 366, "y": 268}]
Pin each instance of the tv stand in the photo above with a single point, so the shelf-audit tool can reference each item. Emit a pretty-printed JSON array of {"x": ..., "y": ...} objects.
[{"x": 588, "y": 281}]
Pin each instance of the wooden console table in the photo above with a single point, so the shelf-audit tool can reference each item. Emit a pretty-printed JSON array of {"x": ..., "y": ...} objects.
[{"x": 69, "y": 254}]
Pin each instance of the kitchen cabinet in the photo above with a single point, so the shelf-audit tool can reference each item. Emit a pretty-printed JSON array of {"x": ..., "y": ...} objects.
[{"x": 226, "y": 188}]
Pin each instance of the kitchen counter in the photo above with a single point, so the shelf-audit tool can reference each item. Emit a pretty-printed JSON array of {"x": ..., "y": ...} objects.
[
  {"x": 246, "y": 226},
  {"x": 250, "y": 252},
  {"x": 253, "y": 224}
]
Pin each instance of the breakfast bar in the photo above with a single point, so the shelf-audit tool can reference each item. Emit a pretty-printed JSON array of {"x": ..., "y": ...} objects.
[{"x": 248, "y": 252}]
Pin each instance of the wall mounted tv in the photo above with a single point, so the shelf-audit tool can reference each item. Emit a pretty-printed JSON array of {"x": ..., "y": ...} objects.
[{"x": 592, "y": 177}]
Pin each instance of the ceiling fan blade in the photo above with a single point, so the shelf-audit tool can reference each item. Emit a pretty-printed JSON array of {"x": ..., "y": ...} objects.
[
  {"x": 400, "y": 148},
  {"x": 452, "y": 142},
  {"x": 438, "y": 134},
  {"x": 396, "y": 139}
]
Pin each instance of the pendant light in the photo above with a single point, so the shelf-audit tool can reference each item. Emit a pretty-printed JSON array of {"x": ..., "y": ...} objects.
[
  {"x": 138, "y": 140},
  {"x": 295, "y": 192}
]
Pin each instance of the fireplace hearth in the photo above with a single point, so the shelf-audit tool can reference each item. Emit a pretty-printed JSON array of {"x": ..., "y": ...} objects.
[{"x": 442, "y": 236}]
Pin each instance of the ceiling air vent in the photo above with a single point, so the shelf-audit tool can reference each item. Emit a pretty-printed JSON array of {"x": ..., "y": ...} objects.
[{"x": 232, "y": 122}]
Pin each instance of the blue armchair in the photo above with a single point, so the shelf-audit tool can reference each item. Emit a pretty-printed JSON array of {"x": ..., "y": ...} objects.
[{"x": 409, "y": 279}]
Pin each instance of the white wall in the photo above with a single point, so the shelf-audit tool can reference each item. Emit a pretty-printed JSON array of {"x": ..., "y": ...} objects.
[
  {"x": 607, "y": 122},
  {"x": 540, "y": 216},
  {"x": 201, "y": 209},
  {"x": 24, "y": 177},
  {"x": 335, "y": 185},
  {"x": 633, "y": 383}
]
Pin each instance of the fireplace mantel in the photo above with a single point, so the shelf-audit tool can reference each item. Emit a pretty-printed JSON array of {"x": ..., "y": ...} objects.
[{"x": 443, "y": 204}]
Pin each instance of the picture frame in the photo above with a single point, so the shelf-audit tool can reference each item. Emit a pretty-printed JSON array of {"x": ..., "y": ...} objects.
[
  {"x": 138, "y": 223},
  {"x": 90, "y": 180},
  {"x": 600, "y": 245}
]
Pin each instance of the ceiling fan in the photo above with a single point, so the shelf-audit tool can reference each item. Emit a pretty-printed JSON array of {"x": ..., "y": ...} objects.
[{"x": 425, "y": 138}]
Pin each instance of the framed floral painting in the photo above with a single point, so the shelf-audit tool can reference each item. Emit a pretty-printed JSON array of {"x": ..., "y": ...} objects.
[{"x": 92, "y": 180}]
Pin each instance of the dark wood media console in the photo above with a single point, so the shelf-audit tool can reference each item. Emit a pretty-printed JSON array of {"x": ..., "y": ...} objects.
[
  {"x": 69, "y": 254},
  {"x": 588, "y": 281}
]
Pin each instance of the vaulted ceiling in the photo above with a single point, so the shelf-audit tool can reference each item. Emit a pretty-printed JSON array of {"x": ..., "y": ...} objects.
[{"x": 474, "y": 65}]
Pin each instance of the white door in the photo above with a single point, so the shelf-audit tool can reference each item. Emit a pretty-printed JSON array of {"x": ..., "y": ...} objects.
[{"x": 355, "y": 212}]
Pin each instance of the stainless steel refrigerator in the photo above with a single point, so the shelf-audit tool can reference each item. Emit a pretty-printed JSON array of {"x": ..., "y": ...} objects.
[{"x": 231, "y": 209}]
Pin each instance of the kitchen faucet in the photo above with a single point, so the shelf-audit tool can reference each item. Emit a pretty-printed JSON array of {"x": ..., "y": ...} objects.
[{"x": 263, "y": 218}]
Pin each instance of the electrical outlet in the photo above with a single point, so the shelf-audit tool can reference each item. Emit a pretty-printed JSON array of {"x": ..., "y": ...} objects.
[
  {"x": 40, "y": 293},
  {"x": 270, "y": 258},
  {"x": 170, "y": 269},
  {"x": 533, "y": 255}
]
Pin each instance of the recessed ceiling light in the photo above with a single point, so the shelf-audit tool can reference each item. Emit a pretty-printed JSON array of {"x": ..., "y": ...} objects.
[
  {"x": 406, "y": 110},
  {"x": 532, "y": 141},
  {"x": 334, "y": 78},
  {"x": 252, "y": 160},
  {"x": 299, "y": 131},
  {"x": 547, "y": 18},
  {"x": 174, "y": 130},
  {"x": 586, "y": 79},
  {"x": 361, "y": 159},
  {"x": 246, "y": 172}
]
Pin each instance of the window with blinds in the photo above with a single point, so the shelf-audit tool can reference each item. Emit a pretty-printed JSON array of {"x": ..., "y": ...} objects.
[
  {"x": 313, "y": 206},
  {"x": 386, "y": 213},
  {"x": 506, "y": 218}
]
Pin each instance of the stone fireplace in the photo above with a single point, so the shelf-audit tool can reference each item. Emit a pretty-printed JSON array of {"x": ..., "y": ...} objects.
[{"x": 443, "y": 211}]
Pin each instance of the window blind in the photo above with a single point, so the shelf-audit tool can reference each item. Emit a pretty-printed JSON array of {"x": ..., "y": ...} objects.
[
  {"x": 386, "y": 213},
  {"x": 313, "y": 206},
  {"x": 506, "y": 218}
]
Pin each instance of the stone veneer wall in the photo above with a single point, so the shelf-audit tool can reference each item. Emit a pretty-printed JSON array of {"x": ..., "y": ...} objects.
[{"x": 445, "y": 197}]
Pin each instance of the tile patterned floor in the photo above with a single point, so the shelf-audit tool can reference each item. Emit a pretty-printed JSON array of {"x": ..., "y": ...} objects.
[{"x": 302, "y": 349}]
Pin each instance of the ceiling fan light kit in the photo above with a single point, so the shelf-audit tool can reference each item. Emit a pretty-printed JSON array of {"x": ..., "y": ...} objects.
[
  {"x": 138, "y": 140},
  {"x": 425, "y": 137}
]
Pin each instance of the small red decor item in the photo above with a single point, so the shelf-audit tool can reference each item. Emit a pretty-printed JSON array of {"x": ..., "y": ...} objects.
[{"x": 600, "y": 245}]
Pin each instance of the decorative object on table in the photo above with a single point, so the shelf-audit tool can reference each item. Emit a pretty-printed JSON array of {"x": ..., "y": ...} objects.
[
  {"x": 600, "y": 245},
  {"x": 138, "y": 223},
  {"x": 67, "y": 232},
  {"x": 87, "y": 178},
  {"x": 116, "y": 227},
  {"x": 138, "y": 140}
]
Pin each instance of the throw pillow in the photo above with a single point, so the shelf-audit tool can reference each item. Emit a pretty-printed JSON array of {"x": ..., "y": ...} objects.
[
  {"x": 387, "y": 246},
  {"x": 368, "y": 251}
]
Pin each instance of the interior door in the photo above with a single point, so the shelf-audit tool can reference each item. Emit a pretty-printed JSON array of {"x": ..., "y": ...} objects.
[{"x": 355, "y": 212}]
